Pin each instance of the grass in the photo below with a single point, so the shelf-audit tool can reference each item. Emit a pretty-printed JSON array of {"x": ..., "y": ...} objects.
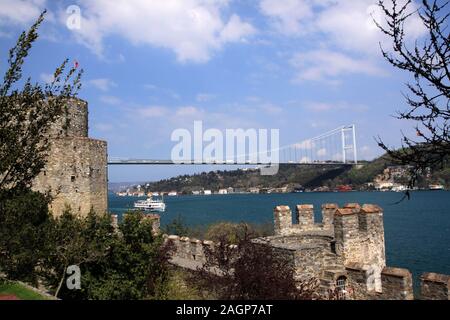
[{"x": 22, "y": 292}]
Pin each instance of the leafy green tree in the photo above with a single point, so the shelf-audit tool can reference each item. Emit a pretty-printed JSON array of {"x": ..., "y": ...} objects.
[
  {"x": 177, "y": 227},
  {"x": 27, "y": 111},
  {"x": 74, "y": 240},
  {"x": 138, "y": 263},
  {"x": 23, "y": 224},
  {"x": 134, "y": 264}
]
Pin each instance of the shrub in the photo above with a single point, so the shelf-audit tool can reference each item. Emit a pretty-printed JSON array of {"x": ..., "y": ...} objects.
[{"x": 251, "y": 272}]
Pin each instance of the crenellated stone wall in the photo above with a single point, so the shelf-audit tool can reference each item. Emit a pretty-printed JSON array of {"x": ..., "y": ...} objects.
[
  {"x": 359, "y": 236},
  {"x": 305, "y": 216},
  {"x": 345, "y": 252},
  {"x": 435, "y": 286},
  {"x": 328, "y": 211},
  {"x": 190, "y": 253},
  {"x": 73, "y": 122},
  {"x": 284, "y": 224},
  {"x": 396, "y": 283},
  {"x": 282, "y": 220}
]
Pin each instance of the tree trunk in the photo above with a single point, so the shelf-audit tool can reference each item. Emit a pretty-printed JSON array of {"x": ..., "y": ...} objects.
[{"x": 61, "y": 282}]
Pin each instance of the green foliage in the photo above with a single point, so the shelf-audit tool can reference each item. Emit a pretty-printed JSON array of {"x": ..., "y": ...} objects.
[
  {"x": 133, "y": 266},
  {"x": 233, "y": 232},
  {"x": 293, "y": 176},
  {"x": 228, "y": 230},
  {"x": 27, "y": 112},
  {"x": 359, "y": 176},
  {"x": 251, "y": 272},
  {"x": 307, "y": 176},
  {"x": 177, "y": 227},
  {"x": 24, "y": 219},
  {"x": 129, "y": 263},
  {"x": 180, "y": 288},
  {"x": 73, "y": 240}
]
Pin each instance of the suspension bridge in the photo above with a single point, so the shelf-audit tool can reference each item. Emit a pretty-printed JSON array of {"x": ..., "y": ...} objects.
[{"x": 335, "y": 147}]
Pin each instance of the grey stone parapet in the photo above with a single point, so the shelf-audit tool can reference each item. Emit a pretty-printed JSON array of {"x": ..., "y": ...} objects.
[
  {"x": 396, "y": 283},
  {"x": 284, "y": 224},
  {"x": 305, "y": 215},
  {"x": 434, "y": 286},
  {"x": 347, "y": 246},
  {"x": 190, "y": 252}
]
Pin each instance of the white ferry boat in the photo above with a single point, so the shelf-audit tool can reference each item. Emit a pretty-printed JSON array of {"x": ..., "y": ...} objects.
[{"x": 151, "y": 204}]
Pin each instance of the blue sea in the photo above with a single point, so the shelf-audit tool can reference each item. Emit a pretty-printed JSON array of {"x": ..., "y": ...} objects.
[{"x": 417, "y": 231}]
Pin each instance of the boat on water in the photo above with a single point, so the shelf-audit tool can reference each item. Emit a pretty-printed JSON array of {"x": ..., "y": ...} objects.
[
  {"x": 436, "y": 187},
  {"x": 150, "y": 204}
]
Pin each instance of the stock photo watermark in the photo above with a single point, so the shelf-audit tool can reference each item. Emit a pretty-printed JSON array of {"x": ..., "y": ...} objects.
[
  {"x": 234, "y": 146},
  {"x": 73, "y": 21},
  {"x": 73, "y": 281}
]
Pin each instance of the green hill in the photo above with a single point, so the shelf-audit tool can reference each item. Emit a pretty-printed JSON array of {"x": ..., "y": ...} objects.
[{"x": 292, "y": 176}]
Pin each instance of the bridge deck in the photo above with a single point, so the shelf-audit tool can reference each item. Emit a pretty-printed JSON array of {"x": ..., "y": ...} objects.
[{"x": 192, "y": 162}]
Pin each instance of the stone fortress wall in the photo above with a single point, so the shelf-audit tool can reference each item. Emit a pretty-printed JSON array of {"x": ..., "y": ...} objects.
[
  {"x": 76, "y": 169},
  {"x": 348, "y": 244}
]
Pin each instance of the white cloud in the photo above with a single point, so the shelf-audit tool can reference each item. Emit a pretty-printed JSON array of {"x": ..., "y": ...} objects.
[
  {"x": 103, "y": 127},
  {"x": 305, "y": 145},
  {"x": 346, "y": 36},
  {"x": 286, "y": 15},
  {"x": 150, "y": 86},
  {"x": 102, "y": 84},
  {"x": 162, "y": 91},
  {"x": 316, "y": 106},
  {"x": 253, "y": 99},
  {"x": 153, "y": 112},
  {"x": 348, "y": 24},
  {"x": 204, "y": 97},
  {"x": 184, "y": 116},
  {"x": 236, "y": 30},
  {"x": 270, "y": 108},
  {"x": 305, "y": 160},
  {"x": 322, "y": 152},
  {"x": 328, "y": 65},
  {"x": 188, "y": 111},
  {"x": 47, "y": 77},
  {"x": 192, "y": 29},
  {"x": 111, "y": 100},
  {"x": 21, "y": 12},
  {"x": 366, "y": 152}
]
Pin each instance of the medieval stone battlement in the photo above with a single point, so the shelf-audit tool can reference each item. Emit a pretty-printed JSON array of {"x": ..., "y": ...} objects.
[
  {"x": 435, "y": 286},
  {"x": 345, "y": 252},
  {"x": 73, "y": 122}
]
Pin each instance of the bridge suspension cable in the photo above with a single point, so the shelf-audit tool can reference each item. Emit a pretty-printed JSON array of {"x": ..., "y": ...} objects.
[{"x": 337, "y": 146}]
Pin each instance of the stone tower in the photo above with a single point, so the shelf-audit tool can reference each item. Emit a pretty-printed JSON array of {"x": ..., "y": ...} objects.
[
  {"x": 76, "y": 169},
  {"x": 359, "y": 235}
]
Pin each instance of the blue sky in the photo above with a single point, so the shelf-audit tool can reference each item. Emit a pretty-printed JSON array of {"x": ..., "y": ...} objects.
[{"x": 302, "y": 66}]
